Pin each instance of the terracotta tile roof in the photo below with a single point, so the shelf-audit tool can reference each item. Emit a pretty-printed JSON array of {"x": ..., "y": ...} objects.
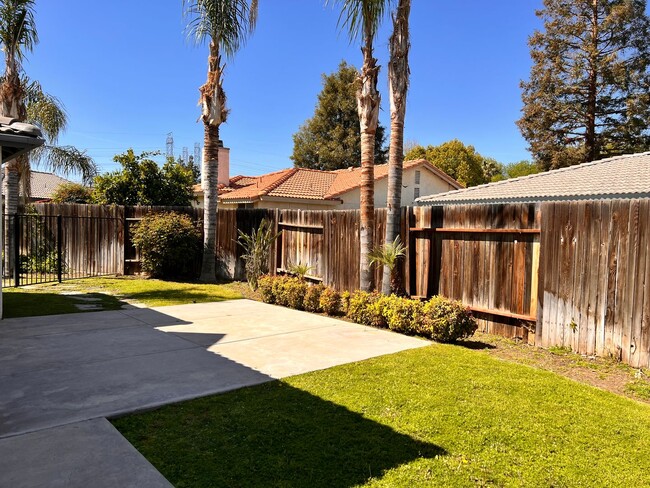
[
  {"x": 350, "y": 178},
  {"x": 305, "y": 183},
  {"x": 308, "y": 183},
  {"x": 261, "y": 185},
  {"x": 618, "y": 177}
]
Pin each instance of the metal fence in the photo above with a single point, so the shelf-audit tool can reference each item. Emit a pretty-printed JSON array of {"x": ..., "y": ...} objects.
[{"x": 50, "y": 248}]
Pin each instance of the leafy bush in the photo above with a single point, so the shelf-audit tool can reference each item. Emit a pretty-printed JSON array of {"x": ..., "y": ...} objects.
[
  {"x": 330, "y": 301},
  {"x": 265, "y": 286},
  {"x": 257, "y": 247},
  {"x": 345, "y": 302},
  {"x": 366, "y": 308},
  {"x": 312, "y": 298},
  {"x": 278, "y": 290},
  {"x": 169, "y": 244},
  {"x": 41, "y": 261},
  {"x": 72, "y": 193},
  {"x": 295, "y": 290},
  {"x": 445, "y": 320},
  {"x": 402, "y": 314}
]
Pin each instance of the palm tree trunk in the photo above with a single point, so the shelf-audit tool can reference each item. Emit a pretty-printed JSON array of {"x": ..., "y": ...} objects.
[
  {"x": 210, "y": 170},
  {"x": 398, "y": 81},
  {"x": 213, "y": 101},
  {"x": 368, "y": 100}
]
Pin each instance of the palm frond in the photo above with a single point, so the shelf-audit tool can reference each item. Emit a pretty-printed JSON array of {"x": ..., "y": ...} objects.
[
  {"x": 361, "y": 18},
  {"x": 66, "y": 160},
  {"x": 44, "y": 110},
  {"x": 388, "y": 254},
  {"x": 17, "y": 27},
  {"x": 227, "y": 23}
]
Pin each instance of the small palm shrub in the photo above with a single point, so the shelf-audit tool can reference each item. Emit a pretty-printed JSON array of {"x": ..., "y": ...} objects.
[
  {"x": 388, "y": 255},
  {"x": 257, "y": 248},
  {"x": 445, "y": 320},
  {"x": 300, "y": 270},
  {"x": 169, "y": 244},
  {"x": 312, "y": 298},
  {"x": 330, "y": 301}
]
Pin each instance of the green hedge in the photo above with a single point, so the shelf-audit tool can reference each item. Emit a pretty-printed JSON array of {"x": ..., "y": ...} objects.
[{"x": 440, "y": 318}]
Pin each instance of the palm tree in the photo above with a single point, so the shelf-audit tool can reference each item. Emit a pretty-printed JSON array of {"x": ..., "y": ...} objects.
[
  {"x": 398, "y": 82},
  {"x": 25, "y": 101},
  {"x": 362, "y": 19},
  {"x": 225, "y": 24}
]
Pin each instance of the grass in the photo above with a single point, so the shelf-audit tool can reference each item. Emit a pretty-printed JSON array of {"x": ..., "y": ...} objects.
[
  {"x": 23, "y": 302},
  {"x": 158, "y": 293},
  {"x": 437, "y": 416},
  {"x": 48, "y": 299},
  {"x": 639, "y": 388}
]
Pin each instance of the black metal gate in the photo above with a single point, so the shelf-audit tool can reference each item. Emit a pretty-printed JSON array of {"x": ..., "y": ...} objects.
[{"x": 50, "y": 248}]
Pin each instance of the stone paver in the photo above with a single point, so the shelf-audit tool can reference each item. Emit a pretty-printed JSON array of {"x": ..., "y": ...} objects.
[{"x": 61, "y": 375}]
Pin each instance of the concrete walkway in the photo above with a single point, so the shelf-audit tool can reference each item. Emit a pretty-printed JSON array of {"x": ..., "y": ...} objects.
[{"x": 60, "y": 376}]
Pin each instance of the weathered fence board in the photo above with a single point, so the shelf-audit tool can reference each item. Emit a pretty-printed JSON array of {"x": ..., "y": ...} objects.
[{"x": 596, "y": 278}]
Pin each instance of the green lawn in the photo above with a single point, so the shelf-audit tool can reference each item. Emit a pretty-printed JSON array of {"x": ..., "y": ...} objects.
[
  {"x": 437, "y": 416},
  {"x": 47, "y": 299},
  {"x": 25, "y": 302},
  {"x": 158, "y": 293}
]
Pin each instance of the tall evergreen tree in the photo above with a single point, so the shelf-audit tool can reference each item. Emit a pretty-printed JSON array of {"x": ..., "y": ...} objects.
[
  {"x": 588, "y": 96},
  {"x": 331, "y": 139}
]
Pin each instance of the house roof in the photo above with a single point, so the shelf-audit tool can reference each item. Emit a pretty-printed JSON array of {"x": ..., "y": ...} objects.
[
  {"x": 309, "y": 184},
  {"x": 17, "y": 138},
  {"x": 625, "y": 176},
  {"x": 45, "y": 184}
]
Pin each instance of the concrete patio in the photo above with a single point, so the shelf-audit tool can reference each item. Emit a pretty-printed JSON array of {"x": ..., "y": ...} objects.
[{"x": 61, "y": 376}]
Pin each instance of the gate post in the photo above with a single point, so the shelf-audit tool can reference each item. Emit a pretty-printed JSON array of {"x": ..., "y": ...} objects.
[
  {"x": 59, "y": 244},
  {"x": 16, "y": 256}
]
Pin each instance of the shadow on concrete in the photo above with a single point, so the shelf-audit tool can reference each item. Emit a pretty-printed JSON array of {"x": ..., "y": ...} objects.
[
  {"x": 269, "y": 435},
  {"x": 65, "y": 370}
]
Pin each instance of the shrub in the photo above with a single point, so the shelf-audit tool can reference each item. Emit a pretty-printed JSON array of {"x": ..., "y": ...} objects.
[
  {"x": 257, "y": 247},
  {"x": 312, "y": 298},
  {"x": 266, "y": 288},
  {"x": 169, "y": 243},
  {"x": 330, "y": 301},
  {"x": 345, "y": 302},
  {"x": 295, "y": 290},
  {"x": 278, "y": 289},
  {"x": 445, "y": 320},
  {"x": 402, "y": 314},
  {"x": 366, "y": 308},
  {"x": 72, "y": 193}
]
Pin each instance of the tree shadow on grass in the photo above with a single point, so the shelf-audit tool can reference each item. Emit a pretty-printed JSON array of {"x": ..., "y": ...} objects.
[
  {"x": 191, "y": 295},
  {"x": 269, "y": 435},
  {"x": 21, "y": 303},
  {"x": 475, "y": 345}
]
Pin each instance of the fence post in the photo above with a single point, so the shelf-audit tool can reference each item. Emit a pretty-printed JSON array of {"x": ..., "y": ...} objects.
[
  {"x": 16, "y": 256},
  {"x": 59, "y": 244}
]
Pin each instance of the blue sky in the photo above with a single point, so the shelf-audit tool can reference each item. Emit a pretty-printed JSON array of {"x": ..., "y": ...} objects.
[{"x": 128, "y": 75}]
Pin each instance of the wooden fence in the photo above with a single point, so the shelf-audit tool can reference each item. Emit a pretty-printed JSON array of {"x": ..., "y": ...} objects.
[{"x": 573, "y": 274}]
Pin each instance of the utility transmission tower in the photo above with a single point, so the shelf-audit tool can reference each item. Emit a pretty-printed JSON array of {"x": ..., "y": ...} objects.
[
  {"x": 197, "y": 153},
  {"x": 170, "y": 145},
  {"x": 186, "y": 156}
]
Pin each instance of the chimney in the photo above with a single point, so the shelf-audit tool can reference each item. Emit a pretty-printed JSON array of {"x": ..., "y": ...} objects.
[{"x": 224, "y": 165}]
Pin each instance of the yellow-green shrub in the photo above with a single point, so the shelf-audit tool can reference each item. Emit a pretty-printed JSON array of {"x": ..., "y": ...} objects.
[
  {"x": 445, "y": 320},
  {"x": 312, "y": 298},
  {"x": 402, "y": 314},
  {"x": 330, "y": 301},
  {"x": 266, "y": 288}
]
